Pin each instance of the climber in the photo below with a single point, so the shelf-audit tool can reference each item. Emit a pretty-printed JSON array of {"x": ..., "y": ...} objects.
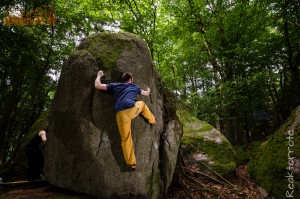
[
  {"x": 127, "y": 108},
  {"x": 35, "y": 155}
]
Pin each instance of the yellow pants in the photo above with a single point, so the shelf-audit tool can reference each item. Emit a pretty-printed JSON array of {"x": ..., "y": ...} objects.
[{"x": 124, "y": 124}]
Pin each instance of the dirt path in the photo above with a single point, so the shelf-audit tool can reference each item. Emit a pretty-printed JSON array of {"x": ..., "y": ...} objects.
[{"x": 48, "y": 192}]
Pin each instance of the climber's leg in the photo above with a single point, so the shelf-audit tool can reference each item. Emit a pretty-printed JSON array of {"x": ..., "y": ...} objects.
[
  {"x": 142, "y": 108},
  {"x": 124, "y": 125}
]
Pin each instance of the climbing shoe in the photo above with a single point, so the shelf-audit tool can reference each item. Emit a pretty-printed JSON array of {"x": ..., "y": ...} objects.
[{"x": 132, "y": 167}]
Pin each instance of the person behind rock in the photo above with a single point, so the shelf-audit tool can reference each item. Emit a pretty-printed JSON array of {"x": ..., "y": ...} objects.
[
  {"x": 35, "y": 156},
  {"x": 127, "y": 108}
]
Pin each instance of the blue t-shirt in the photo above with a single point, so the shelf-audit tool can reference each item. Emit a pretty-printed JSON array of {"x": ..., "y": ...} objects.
[{"x": 124, "y": 94}]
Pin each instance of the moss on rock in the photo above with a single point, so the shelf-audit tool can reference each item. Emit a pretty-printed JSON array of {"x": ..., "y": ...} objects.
[
  {"x": 40, "y": 124},
  {"x": 106, "y": 48},
  {"x": 246, "y": 152},
  {"x": 203, "y": 144},
  {"x": 278, "y": 158}
]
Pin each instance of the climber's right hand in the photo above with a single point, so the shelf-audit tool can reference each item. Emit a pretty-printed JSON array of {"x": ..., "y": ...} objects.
[{"x": 100, "y": 73}]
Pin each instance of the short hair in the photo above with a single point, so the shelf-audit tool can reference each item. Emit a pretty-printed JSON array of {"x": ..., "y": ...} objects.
[{"x": 126, "y": 77}]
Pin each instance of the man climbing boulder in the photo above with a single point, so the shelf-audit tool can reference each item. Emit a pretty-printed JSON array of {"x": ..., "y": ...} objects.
[
  {"x": 84, "y": 152},
  {"x": 127, "y": 108}
]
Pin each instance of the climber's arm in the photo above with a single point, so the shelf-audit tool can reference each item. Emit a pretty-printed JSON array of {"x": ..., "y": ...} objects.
[
  {"x": 98, "y": 84},
  {"x": 146, "y": 93}
]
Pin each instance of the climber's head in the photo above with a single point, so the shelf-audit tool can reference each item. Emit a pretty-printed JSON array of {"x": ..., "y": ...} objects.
[{"x": 127, "y": 78}]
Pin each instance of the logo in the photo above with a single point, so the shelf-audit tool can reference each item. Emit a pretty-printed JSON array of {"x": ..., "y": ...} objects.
[{"x": 43, "y": 15}]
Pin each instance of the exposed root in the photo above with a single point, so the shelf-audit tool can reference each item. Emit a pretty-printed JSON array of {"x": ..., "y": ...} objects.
[{"x": 190, "y": 183}]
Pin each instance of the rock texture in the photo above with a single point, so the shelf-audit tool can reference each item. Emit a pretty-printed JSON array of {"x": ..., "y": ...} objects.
[
  {"x": 276, "y": 165},
  {"x": 204, "y": 148},
  {"x": 83, "y": 151}
]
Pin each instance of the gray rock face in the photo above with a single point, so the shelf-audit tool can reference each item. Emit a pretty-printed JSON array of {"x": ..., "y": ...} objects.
[{"x": 83, "y": 151}]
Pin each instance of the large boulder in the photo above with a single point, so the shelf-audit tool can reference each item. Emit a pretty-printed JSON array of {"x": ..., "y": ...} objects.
[
  {"x": 276, "y": 165},
  {"x": 204, "y": 148},
  {"x": 84, "y": 151}
]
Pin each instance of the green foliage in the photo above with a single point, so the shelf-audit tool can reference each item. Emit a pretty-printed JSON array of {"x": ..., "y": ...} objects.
[
  {"x": 225, "y": 61},
  {"x": 31, "y": 56},
  {"x": 26, "y": 82},
  {"x": 246, "y": 152}
]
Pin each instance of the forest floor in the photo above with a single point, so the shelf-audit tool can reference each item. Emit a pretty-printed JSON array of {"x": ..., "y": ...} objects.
[{"x": 238, "y": 185}]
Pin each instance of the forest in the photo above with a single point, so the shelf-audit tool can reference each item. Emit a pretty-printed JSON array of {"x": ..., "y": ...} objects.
[{"x": 234, "y": 64}]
